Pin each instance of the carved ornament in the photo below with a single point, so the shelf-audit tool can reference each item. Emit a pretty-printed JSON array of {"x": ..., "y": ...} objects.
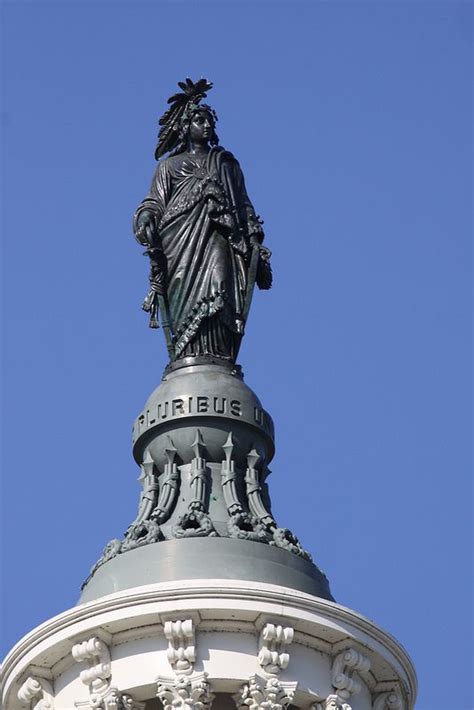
[
  {"x": 181, "y": 645},
  {"x": 265, "y": 694},
  {"x": 37, "y": 693},
  {"x": 273, "y": 641},
  {"x": 389, "y": 701},
  {"x": 185, "y": 693}
]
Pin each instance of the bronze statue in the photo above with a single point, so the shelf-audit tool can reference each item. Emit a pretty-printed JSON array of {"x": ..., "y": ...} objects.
[{"x": 202, "y": 234}]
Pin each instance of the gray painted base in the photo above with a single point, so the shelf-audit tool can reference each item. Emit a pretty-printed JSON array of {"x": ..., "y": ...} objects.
[{"x": 206, "y": 558}]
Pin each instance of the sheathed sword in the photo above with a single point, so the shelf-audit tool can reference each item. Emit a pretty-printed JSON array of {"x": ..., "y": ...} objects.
[
  {"x": 251, "y": 278},
  {"x": 163, "y": 307}
]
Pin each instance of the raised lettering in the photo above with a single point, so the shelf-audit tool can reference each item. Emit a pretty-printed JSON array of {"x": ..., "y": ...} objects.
[
  {"x": 177, "y": 406},
  {"x": 148, "y": 420},
  {"x": 222, "y": 408},
  {"x": 235, "y": 408},
  {"x": 163, "y": 410},
  {"x": 202, "y": 404}
]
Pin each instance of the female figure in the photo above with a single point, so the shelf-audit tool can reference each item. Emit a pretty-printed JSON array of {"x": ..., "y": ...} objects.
[{"x": 200, "y": 230}]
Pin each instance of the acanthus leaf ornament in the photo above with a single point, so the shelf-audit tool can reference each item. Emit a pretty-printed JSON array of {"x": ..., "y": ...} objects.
[
  {"x": 265, "y": 694},
  {"x": 185, "y": 693}
]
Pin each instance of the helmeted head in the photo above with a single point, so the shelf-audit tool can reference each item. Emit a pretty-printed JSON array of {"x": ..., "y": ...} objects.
[
  {"x": 199, "y": 125},
  {"x": 185, "y": 115}
]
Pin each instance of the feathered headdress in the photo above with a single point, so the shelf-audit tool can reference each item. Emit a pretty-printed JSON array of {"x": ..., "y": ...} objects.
[{"x": 181, "y": 105}]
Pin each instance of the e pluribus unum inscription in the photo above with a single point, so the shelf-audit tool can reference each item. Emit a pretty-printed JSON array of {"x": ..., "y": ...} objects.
[{"x": 198, "y": 405}]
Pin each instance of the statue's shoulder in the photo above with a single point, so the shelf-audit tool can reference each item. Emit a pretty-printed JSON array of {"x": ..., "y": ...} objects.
[
  {"x": 222, "y": 156},
  {"x": 169, "y": 166},
  {"x": 170, "y": 161},
  {"x": 223, "y": 153}
]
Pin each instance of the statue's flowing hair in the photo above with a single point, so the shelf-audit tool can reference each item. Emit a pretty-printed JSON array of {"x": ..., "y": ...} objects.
[{"x": 175, "y": 122}]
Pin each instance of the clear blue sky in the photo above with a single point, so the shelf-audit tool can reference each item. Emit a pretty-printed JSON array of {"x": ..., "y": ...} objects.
[{"x": 352, "y": 123}]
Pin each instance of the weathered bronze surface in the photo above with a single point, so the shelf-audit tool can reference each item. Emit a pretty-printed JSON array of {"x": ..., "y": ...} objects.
[{"x": 201, "y": 233}]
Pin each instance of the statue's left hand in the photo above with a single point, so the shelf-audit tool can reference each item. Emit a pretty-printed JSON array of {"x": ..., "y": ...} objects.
[
  {"x": 145, "y": 228},
  {"x": 264, "y": 270},
  {"x": 264, "y": 252}
]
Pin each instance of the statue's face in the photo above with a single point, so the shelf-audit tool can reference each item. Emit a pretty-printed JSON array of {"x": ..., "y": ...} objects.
[{"x": 201, "y": 127}]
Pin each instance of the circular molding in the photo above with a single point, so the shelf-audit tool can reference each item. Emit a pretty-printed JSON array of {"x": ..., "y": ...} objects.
[{"x": 315, "y": 618}]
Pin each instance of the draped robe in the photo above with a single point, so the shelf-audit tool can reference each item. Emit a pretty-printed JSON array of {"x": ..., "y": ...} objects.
[{"x": 204, "y": 221}]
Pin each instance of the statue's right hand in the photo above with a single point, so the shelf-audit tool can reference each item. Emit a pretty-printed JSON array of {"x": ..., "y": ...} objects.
[{"x": 146, "y": 228}]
